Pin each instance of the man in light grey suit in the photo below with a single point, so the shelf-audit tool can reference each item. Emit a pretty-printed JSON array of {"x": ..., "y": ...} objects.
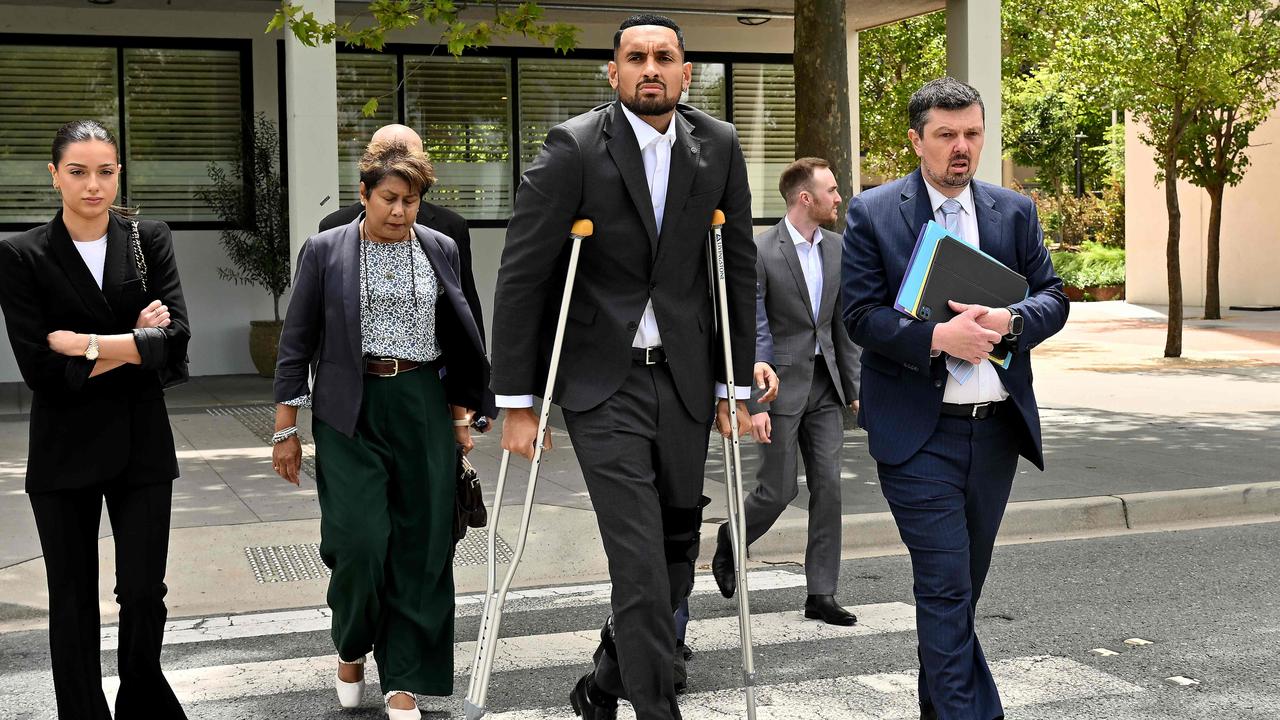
[{"x": 799, "y": 334}]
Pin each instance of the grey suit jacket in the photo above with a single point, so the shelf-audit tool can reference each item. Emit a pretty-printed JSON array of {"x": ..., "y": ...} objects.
[
  {"x": 323, "y": 325},
  {"x": 786, "y": 329}
]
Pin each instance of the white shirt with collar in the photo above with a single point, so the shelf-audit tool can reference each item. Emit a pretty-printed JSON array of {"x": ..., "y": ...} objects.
[
  {"x": 810, "y": 254},
  {"x": 655, "y": 151},
  {"x": 984, "y": 384}
]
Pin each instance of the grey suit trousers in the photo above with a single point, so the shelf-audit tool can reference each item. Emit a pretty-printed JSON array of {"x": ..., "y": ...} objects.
[
  {"x": 643, "y": 457},
  {"x": 817, "y": 433}
]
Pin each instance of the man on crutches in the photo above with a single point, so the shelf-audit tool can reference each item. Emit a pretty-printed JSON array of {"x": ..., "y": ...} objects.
[{"x": 639, "y": 363}]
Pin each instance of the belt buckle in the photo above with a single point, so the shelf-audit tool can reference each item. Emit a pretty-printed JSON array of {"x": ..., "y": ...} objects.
[
  {"x": 978, "y": 406},
  {"x": 395, "y": 365},
  {"x": 648, "y": 358}
]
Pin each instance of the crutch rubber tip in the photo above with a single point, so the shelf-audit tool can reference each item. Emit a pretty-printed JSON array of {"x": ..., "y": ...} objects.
[
  {"x": 582, "y": 228},
  {"x": 717, "y": 218}
]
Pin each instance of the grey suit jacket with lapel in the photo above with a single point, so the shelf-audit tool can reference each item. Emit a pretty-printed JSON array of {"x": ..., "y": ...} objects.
[
  {"x": 787, "y": 329},
  {"x": 323, "y": 326},
  {"x": 591, "y": 167}
]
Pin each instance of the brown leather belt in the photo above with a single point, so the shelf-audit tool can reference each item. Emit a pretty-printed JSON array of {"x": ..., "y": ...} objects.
[{"x": 389, "y": 367}]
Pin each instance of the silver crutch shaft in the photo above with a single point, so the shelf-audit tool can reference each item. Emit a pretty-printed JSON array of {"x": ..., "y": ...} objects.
[
  {"x": 733, "y": 470},
  {"x": 491, "y": 620}
]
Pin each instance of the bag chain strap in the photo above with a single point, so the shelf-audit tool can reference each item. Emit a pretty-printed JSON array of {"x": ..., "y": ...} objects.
[{"x": 138, "y": 257}]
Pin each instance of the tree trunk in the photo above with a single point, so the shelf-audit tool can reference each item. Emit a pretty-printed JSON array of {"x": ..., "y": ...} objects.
[
  {"x": 822, "y": 91},
  {"x": 1212, "y": 301},
  {"x": 1173, "y": 340}
]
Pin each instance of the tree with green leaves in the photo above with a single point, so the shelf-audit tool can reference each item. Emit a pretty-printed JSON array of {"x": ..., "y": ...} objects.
[
  {"x": 893, "y": 62},
  {"x": 1214, "y": 150},
  {"x": 822, "y": 90},
  {"x": 1168, "y": 62},
  {"x": 369, "y": 28}
]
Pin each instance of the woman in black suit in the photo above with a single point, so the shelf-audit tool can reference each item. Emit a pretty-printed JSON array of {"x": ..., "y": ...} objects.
[
  {"x": 94, "y": 327},
  {"x": 378, "y": 307}
]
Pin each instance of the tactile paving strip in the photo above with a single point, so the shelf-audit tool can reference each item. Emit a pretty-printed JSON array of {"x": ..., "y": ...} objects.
[
  {"x": 291, "y": 563},
  {"x": 261, "y": 421}
]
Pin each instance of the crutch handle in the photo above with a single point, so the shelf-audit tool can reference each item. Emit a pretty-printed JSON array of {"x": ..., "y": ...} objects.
[
  {"x": 717, "y": 218},
  {"x": 582, "y": 228}
]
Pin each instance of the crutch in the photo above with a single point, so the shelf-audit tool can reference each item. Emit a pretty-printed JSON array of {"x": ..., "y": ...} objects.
[
  {"x": 482, "y": 664},
  {"x": 733, "y": 465}
]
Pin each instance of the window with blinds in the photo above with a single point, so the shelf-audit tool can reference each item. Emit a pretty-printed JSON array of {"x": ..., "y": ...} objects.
[
  {"x": 182, "y": 113},
  {"x": 42, "y": 88},
  {"x": 462, "y": 109},
  {"x": 764, "y": 110},
  {"x": 552, "y": 91},
  {"x": 361, "y": 78}
]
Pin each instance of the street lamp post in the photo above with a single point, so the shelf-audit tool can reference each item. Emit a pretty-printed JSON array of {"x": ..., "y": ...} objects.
[{"x": 1079, "y": 166}]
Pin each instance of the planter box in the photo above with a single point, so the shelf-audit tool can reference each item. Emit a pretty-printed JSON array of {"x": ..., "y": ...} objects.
[{"x": 1094, "y": 292}]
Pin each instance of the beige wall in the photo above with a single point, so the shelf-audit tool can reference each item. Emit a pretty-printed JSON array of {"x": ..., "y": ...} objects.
[{"x": 1250, "y": 272}]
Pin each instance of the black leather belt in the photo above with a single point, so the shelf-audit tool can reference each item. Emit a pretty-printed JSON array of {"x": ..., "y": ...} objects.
[
  {"x": 973, "y": 411},
  {"x": 648, "y": 356}
]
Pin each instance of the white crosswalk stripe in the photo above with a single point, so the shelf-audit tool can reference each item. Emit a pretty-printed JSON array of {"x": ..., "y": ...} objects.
[
  {"x": 269, "y": 673},
  {"x": 233, "y": 627},
  {"x": 892, "y": 696}
]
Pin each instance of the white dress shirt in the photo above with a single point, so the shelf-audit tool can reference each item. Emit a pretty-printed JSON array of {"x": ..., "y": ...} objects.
[
  {"x": 810, "y": 254},
  {"x": 655, "y": 150},
  {"x": 983, "y": 385},
  {"x": 94, "y": 254}
]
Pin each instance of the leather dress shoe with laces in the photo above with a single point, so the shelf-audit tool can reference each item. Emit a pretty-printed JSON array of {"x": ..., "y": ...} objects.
[
  {"x": 722, "y": 563},
  {"x": 580, "y": 698},
  {"x": 826, "y": 609}
]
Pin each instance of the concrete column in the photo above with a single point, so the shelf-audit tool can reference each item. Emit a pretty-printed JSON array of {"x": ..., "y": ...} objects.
[
  {"x": 973, "y": 55},
  {"x": 855, "y": 84},
  {"x": 311, "y": 100}
]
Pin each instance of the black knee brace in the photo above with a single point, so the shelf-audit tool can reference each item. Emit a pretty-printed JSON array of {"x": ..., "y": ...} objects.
[{"x": 681, "y": 532}]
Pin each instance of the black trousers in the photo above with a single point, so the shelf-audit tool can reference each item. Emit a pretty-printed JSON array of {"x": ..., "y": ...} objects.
[
  {"x": 643, "y": 458},
  {"x": 67, "y": 521}
]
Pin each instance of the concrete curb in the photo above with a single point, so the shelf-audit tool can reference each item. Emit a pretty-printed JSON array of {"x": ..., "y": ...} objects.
[{"x": 867, "y": 534}]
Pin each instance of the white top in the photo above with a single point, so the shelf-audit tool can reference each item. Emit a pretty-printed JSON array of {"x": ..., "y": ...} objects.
[
  {"x": 983, "y": 385},
  {"x": 811, "y": 263},
  {"x": 655, "y": 150},
  {"x": 94, "y": 254}
]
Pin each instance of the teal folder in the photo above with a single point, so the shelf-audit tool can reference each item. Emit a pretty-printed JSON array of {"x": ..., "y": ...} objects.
[{"x": 943, "y": 268}]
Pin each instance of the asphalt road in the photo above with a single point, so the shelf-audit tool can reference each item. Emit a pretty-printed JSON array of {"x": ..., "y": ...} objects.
[{"x": 1206, "y": 601}]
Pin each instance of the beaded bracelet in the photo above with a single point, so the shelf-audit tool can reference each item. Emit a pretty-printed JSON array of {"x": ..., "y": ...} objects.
[{"x": 284, "y": 434}]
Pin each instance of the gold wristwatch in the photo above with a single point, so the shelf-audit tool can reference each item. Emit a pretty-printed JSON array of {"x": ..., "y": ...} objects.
[{"x": 91, "y": 352}]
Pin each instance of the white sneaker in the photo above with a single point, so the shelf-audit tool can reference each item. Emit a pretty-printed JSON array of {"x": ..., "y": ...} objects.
[
  {"x": 397, "y": 714},
  {"x": 349, "y": 693}
]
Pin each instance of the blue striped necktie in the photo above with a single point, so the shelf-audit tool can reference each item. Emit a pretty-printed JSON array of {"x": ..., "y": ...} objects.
[{"x": 959, "y": 369}]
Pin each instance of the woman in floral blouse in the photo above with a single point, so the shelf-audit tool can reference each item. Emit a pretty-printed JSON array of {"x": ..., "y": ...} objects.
[{"x": 378, "y": 309}]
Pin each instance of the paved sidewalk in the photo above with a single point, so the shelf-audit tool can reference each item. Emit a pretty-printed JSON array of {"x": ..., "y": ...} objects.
[{"x": 1132, "y": 441}]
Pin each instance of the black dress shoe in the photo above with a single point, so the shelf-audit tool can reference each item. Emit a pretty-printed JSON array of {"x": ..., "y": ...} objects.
[
  {"x": 681, "y": 668},
  {"x": 722, "y": 564},
  {"x": 825, "y": 608},
  {"x": 591, "y": 703}
]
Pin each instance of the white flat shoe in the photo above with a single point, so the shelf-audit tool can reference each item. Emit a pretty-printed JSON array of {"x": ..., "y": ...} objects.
[
  {"x": 349, "y": 693},
  {"x": 397, "y": 714}
]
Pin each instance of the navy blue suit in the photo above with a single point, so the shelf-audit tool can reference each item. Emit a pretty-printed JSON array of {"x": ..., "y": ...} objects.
[{"x": 947, "y": 479}]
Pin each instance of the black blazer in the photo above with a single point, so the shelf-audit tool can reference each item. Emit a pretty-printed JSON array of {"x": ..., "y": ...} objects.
[
  {"x": 442, "y": 220},
  {"x": 323, "y": 325},
  {"x": 591, "y": 167},
  {"x": 113, "y": 427}
]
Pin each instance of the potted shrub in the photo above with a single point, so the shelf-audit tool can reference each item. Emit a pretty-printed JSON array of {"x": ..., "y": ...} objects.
[
  {"x": 251, "y": 200},
  {"x": 1095, "y": 272}
]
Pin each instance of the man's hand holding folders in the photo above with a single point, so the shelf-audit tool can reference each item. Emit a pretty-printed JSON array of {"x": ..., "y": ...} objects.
[{"x": 968, "y": 336}]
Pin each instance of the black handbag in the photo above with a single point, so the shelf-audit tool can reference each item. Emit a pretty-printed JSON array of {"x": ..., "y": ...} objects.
[
  {"x": 468, "y": 506},
  {"x": 175, "y": 373}
]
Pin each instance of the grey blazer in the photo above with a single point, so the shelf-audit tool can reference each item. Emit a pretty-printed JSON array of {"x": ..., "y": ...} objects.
[
  {"x": 323, "y": 326},
  {"x": 786, "y": 329}
]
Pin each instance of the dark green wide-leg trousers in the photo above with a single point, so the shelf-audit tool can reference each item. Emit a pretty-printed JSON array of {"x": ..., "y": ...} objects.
[{"x": 386, "y": 531}]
